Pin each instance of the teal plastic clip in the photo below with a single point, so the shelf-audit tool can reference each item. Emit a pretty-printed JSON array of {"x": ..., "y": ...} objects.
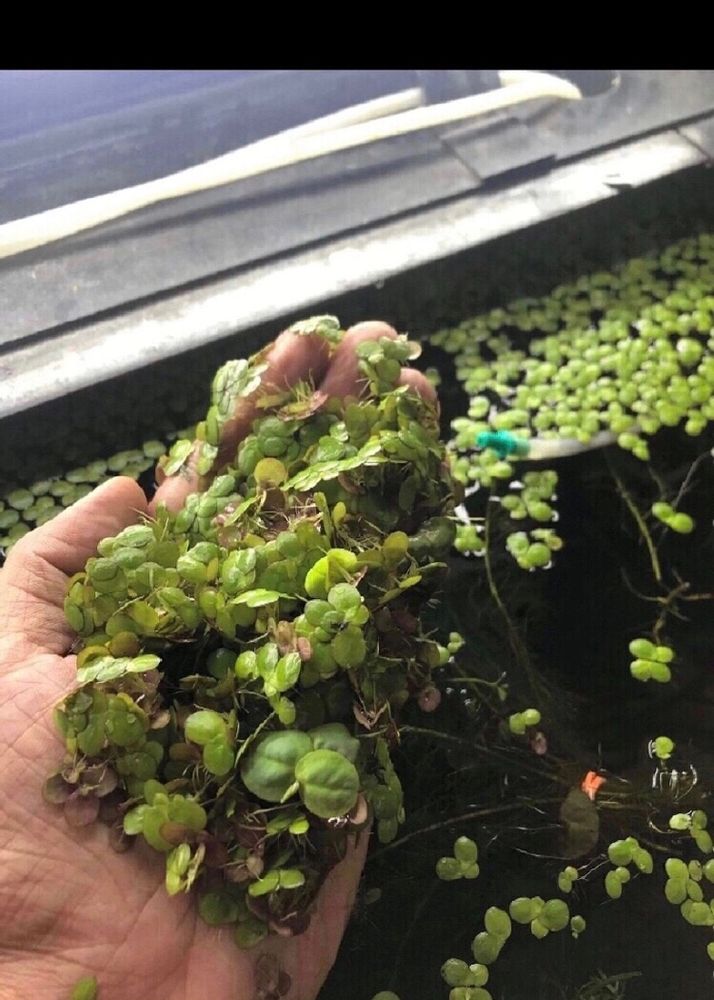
[{"x": 504, "y": 443}]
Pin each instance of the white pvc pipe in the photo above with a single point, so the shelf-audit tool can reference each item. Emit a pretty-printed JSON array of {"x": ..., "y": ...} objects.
[
  {"x": 552, "y": 448},
  {"x": 365, "y": 123}
]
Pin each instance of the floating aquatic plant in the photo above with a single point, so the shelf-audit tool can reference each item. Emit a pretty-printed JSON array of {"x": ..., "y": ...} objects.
[{"x": 242, "y": 663}]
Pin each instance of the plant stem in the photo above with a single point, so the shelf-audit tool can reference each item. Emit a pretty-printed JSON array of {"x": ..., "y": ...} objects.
[
  {"x": 484, "y": 751},
  {"x": 423, "y": 903},
  {"x": 463, "y": 818},
  {"x": 688, "y": 478},
  {"x": 520, "y": 652},
  {"x": 639, "y": 520}
]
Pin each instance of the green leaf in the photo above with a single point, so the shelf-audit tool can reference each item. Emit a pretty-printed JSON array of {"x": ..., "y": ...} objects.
[
  {"x": 521, "y": 910},
  {"x": 234, "y": 380},
  {"x": 188, "y": 812},
  {"x": 259, "y": 598},
  {"x": 268, "y": 770},
  {"x": 344, "y": 597},
  {"x": 330, "y": 569},
  {"x": 109, "y": 668},
  {"x": 269, "y": 883},
  {"x": 218, "y": 908},
  {"x": 497, "y": 922},
  {"x": 291, "y": 878},
  {"x": 676, "y": 868},
  {"x": 287, "y": 671},
  {"x": 455, "y": 972},
  {"x": 204, "y": 726},
  {"x": 249, "y": 932},
  {"x": 85, "y": 989},
  {"x": 555, "y": 915},
  {"x": 348, "y": 647},
  {"x": 335, "y": 736},
  {"x": 395, "y": 548},
  {"x": 218, "y": 757},
  {"x": 643, "y": 860},
  {"x": 369, "y": 454},
  {"x": 134, "y": 820},
  {"x": 141, "y": 664},
  {"x": 465, "y": 850},
  {"x": 178, "y": 456},
  {"x": 486, "y": 947},
  {"x": 206, "y": 456},
  {"x": 620, "y": 852},
  {"x": 329, "y": 783},
  {"x": 154, "y": 819},
  {"x": 321, "y": 326},
  {"x": 448, "y": 869},
  {"x": 613, "y": 885}
]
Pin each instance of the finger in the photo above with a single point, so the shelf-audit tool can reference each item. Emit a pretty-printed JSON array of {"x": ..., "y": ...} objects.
[
  {"x": 33, "y": 581},
  {"x": 420, "y": 384},
  {"x": 344, "y": 377},
  {"x": 309, "y": 957},
  {"x": 291, "y": 359}
]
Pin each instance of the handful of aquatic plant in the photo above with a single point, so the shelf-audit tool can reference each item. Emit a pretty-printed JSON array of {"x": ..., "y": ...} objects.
[{"x": 242, "y": 662}]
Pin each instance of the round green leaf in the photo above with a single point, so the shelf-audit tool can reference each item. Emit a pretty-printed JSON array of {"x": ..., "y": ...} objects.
[
  {"x": 250, "y": 932},
  {"x": 268, "y": 769},
  {"x": 465, "y": 850},
  {"x": 620, "y": 852},
  {"x": 497, "y": 922},
  {"x": 675, "y": 890},
  {"x": 613, "y": 886},
  {"x": 703, "y": 840},
  {"x": 676, "y": 868},
  {"x": 455, "y": 972},
  {"x": 291, "y": 878},
  {"x": 335, "y": 736},
  {"x": 329, "y": 783},
  {"x": 218, "y": 757},
  {"x": 287, "y": 671},
  {"x": 217, "y": 908},
  {"x": 344, "y": 597},
  {"x": 521, "y": 910},
  {"x": 448, "y": 869},
  {"x": 263, "y": 886},
  {"x": 555, "y": 915},
  {"x": 538, "y": 929},
  {"x": 348, "y": 647},
  {"x": 204, "y": 726},
  {"x": 486, "y": 947}
]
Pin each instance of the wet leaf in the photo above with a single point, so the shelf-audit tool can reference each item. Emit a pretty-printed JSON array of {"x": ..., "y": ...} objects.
[
  {"x": 268, "y": 770},
  {"x": 329, "y": 783},
  {"x": 582, "y": 824}
]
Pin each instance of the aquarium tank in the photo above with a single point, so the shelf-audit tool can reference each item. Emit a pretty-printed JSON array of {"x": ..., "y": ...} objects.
[{"x": 478, "y": 633}]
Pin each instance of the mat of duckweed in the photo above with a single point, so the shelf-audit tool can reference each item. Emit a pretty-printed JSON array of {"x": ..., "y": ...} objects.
[{"x": 627, "y": 351}]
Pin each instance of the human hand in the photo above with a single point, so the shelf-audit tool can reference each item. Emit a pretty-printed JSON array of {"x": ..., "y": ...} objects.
[
  {"x": 291, "y": 359},
  {"x": 71, "y": 906}
]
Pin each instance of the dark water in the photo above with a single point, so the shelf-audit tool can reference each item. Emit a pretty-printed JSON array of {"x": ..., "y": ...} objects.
[{"x": 577, "y": 620}]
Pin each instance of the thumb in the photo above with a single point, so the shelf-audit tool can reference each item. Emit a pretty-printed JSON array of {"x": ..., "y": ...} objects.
[{"x": 34, "y": 579}]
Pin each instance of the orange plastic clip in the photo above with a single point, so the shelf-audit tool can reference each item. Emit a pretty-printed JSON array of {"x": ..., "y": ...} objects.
[{"x": 591, "y": 783}]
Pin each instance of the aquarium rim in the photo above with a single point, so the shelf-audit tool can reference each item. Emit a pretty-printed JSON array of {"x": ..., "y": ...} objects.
[{"x": 54, "y": 363}]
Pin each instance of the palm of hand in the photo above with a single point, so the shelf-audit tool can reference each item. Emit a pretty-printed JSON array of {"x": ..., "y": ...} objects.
[{"x": 71, "y": 906}]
